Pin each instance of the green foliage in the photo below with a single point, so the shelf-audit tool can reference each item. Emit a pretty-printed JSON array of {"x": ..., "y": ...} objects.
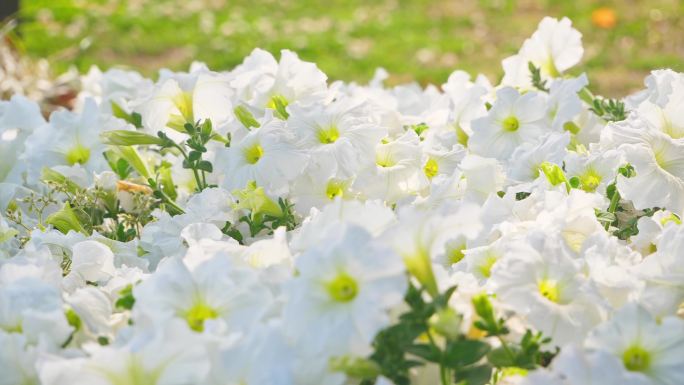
[
  {"x": 610, "y": 110},
  {"x": 411, "y": 342},
  {"x": 535, "y": 76},
  {"x": 621, "y": 217},
  {"x": 126, "y": 299}
]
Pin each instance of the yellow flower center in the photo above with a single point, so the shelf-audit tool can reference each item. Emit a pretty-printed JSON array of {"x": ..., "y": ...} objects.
[
  {"x": 183, "y": 101},
  {"x": 334, "y": 189},
  {"x": 590, "y": 180},
  {"x": 78, "y": 154},
  {"x": 342, "y": 288},
  {"x": 486, "y": 267},
  {"x": 198, "y": 314},
  {"x": 456, "y": 254},
  {"x": 134, "y": 374},
  {"x": 549, "y": 289},
  {"x": 511, "y": 124},
  {"x": 461, "y": 136},
  {"x": 431, "y": 168},
  {"x": 636, "y": 359},
  {"x": 328, "y": 135},
  {"x": 253, "y": 153}
]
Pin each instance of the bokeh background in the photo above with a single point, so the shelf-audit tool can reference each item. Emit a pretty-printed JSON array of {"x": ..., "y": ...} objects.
[{"x": 422, "y": 40}]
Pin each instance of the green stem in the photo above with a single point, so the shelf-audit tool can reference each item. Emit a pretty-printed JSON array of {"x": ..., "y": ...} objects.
[
  {"x": 586, "y": 96},
  {"x": 198, "y": 180},
  {"x": 167, "y": 200},
  {"x": 613, "y": 205},
  {"x": 442, "y": 370},
  {"x": 505, "y": 347}
]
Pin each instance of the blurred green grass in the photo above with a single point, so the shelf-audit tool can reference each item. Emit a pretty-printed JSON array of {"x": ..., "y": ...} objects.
[{"x": 418, "y": 40}]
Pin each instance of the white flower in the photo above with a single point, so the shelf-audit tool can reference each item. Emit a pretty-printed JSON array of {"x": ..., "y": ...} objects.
[
  {"x": 340, "y": 136},
  {"x": 663, "y": 101},
  {"x": 542, "y": 283},
  {"x": 265, "y": 155},
  {"x": 594, "y": 170},
  {"x": 654, "y": 349},
  {"x": 19, "y": 117},
  {"x": 663, "y": 274},
  {"x": 553, "y": 48},
  {"x": 173, "y": 104},
  {"x": 33, "y": 308},
  {"x": 374, "y": 216},
  {"x": 526, "y": 160},
  {"x": 564, "y": 103},
  {"x": 397, "y": 172},
  {"x": 467, "y": 102},
  {"x": 346, "y": 285},
  {"x": 574, "y": 366},
  {"x": 658, "y": 161},
  {"x": 17, "y": 360},
  {"x": 260, "y": 79},
  {"x": 166, "y": 355},
  {"x": 218, "y": 290},
  {"x": 92, "y": 261},
  {"x": 71, "y": 142},
  {"x": 512, "y": 120},
  {"x": 483, "y": 176}
]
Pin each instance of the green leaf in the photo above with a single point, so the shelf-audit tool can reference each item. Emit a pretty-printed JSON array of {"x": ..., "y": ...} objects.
[
  {"x": 7, "y": 235},
  {"x": 131, "y": 156},
  {"x": 465, "y": 352},
  {"x": 474, "y": 375},
  {"x": 49, "y": 175},
  {"x": 166, "y": 180},
  {"x": 126, "y": 299},
  {"x": 65, "y": 220},
  {"x": 129, "y": 138},
  {"x": 427, "y": 352},
  {"x": 205, "y": 165},
  {"x": 535, "y": 75},
  {"x": 627, "y": 171},
  {"x": 501, "y": 358},
  {"x": 133, "y": 118}
]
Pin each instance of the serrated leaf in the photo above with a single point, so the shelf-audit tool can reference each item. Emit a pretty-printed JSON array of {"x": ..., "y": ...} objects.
[{"x": 465, "y": 352}]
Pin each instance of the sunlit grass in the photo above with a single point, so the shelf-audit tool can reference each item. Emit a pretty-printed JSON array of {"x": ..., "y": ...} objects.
[{"x": 414, "y": 40}]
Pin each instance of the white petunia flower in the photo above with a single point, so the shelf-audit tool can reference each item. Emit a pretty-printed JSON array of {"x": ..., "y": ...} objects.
[
  {"x": 17, "y": 360},
  {"x": 19, "y": 117},
  {"x": 265, "y": 155},
  {"x": 397, "y": 172},
  {"x": 513, "y": 119},
  {"x": 339, "y": 136},
  {"x": 218, "y": 289},
  {"x": 262, "y": 82},
  {"x": 166, "y": 355},
  {"x": 658, "y": 161},
  {"x": 70, "y": 143},
  {"x": 654, "y": 349},
  {"x": 345, "y": 286},
  {"x": 553, "y": 48},
  {"x": 663, "y": 274},
  {"x": 662, "y": 101},
  {"x": 543, "y": 284},
  {"x": 574, "y": 366}
]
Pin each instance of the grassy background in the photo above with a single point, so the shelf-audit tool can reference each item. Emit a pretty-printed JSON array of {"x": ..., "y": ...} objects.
[{"x": 413, "y": 39}]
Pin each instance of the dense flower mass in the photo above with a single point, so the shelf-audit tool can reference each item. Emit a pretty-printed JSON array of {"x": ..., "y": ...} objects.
[{"x": 263, "y": 226}]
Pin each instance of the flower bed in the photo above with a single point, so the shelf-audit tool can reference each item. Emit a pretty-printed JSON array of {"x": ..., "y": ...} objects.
[{"x": 262, "y": 226}]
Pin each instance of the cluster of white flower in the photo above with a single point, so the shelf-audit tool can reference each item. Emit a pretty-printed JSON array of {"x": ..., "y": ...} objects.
[{"x": 261, "y": 226}]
